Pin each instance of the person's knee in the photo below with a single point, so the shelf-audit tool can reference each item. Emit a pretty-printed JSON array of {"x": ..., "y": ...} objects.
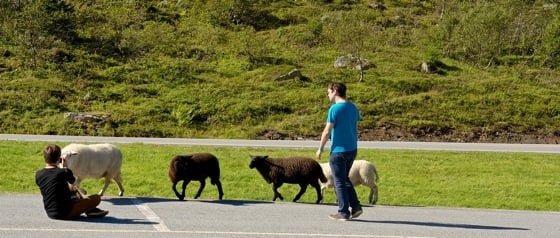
[{"x": 95, "y": 199}]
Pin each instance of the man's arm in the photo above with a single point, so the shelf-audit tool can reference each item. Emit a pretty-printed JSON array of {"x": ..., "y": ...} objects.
[{"x": 324, "y": 138}]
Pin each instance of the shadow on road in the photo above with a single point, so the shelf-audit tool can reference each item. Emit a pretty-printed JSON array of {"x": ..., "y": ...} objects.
[
  {"x": 450, "y": 225},
  {"x": 128, "y": 200},
  {"x": 336, "y": 204},
  {"x": 120, "y": 201},
  {"x": 236, "y": 202},
  {"x": 115, "y": 220}
]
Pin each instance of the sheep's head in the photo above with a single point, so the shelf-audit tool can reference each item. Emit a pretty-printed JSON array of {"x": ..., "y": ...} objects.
[
  {"x": 66, "y": 156},
  {"x": 257, "y": 160}
]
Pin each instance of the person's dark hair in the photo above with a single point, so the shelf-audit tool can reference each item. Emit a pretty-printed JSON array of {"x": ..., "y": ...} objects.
[
  {"x": 51, "y": 153},
  {"x": 340, "y": 89}
]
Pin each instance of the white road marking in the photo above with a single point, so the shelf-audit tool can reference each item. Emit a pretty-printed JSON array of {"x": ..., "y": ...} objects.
[
  {"x": 208, "y": 232},
  {"x": 150, "y": 215}
]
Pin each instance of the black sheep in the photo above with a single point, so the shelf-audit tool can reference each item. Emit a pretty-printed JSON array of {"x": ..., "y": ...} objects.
[
  {"x": 295, "y": 170},
  {"x": 196, "y": 167}
]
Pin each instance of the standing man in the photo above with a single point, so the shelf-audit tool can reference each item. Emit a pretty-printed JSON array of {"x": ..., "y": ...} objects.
[{"x": 342, "y": 129}]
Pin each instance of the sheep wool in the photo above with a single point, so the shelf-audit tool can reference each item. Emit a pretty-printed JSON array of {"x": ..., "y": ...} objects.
[
  {"x": 197, "y": 167},
  {"x": 94, "y": 161},
  {"x": 294, "y": 170},
  {"x": 362, "y": 173}
]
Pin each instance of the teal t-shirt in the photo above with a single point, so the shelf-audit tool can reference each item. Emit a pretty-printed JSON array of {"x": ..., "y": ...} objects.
[{"x": 344, "y": 134}]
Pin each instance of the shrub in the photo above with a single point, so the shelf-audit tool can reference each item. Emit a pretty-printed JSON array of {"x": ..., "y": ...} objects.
[
  {"x": 480, "y": 35},
  {"x": 550, "y": 47},
  {"x": 495, "y": 32},
  {"x": 233, "y": 14}
]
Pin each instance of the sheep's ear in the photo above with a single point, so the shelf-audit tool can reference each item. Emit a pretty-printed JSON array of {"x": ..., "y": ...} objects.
[{"x": 67, "y": 154}]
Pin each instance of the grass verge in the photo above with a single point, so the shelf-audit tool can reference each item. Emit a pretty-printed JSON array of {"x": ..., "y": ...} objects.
[{"x": 523, "y": 181}]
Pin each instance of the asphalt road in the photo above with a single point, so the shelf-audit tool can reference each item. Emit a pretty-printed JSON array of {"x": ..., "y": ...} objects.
[
  {"x": 538, "y": 148},
  {"x": 22, "y": 215}
]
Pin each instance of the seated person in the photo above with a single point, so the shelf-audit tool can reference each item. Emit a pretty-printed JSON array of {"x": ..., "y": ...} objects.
[{"x": 60, "y": 199}]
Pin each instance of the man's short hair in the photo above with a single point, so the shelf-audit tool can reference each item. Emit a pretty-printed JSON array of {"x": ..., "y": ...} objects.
[
  {"x": 340, "y": 88},
  {"x": 51, "y": 153}
]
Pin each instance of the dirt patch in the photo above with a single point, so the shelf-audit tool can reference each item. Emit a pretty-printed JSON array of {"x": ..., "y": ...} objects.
[
  {"x": 271, "y": 134},
  {"x": 391, "y": 133},
  {"x": 383, "y": 134}
]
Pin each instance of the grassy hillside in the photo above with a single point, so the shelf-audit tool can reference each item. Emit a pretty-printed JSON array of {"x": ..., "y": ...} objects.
[{"x": 212, "y": 68}]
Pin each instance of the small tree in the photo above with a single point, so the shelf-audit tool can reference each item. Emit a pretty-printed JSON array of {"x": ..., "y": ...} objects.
[
  {"x": 31, "y": 32},
  {"x": 61, "y": 21},
  {"x": 253, "y": 47},
  {"x": 350, "y": 34}
]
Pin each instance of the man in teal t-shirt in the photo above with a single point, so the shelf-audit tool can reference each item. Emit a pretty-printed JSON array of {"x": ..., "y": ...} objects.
[
  {"x": 342, "y": 129},
  {"x": 344, "y": 136}
]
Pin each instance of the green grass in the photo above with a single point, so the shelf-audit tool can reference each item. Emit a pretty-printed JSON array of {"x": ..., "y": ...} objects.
[{"x": 524, "y": 181}]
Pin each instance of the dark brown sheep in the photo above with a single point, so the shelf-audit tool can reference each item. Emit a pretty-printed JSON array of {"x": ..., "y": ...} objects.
[
  {"x": 196, "y": 167},
  {"x": 295, "y": 170}
]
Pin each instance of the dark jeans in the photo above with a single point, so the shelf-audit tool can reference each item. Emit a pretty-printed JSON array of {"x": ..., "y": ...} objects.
[{"x": 345, "y": 194}]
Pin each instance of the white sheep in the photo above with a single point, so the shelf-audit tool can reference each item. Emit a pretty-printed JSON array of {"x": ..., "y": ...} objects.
[
  {"x": 94, "y": 161},
  {"x": 362, "y": 172}
]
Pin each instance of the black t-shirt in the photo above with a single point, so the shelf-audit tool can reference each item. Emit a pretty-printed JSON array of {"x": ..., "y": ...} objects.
[{"x": 53, "y": 183}]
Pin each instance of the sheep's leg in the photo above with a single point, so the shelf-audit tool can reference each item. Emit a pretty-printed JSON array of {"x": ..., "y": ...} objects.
[
  {"x": 323, "y": 188},
  {"x": 202, "y": 184},
  {"x": 302, "y": 188},
  {"x": 275, "y": 187},
  {"x": 220, "y": 191},
  {"x": 373, "y": 194},
  {"x": 184, "y": 187},
  {"x": 107, "y": 181},
  {"x": 317, "y": 187},
  {"x": 118, "y": 180},
  {"x": 82, "y": 191},
  {"x": 181, "y": 197}
]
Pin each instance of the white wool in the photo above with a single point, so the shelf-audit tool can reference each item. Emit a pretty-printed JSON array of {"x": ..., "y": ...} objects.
[
  {"x": 94, "y": 161},
  {"x": 362, "y": 173}
]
